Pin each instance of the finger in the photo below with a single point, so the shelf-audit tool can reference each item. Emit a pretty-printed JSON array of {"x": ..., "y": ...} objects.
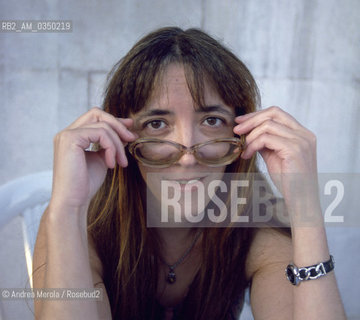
[
  {"x": 248, "y": 123},
  {"x": 76, "y": 140},
  {"x": 244, "y": 117},
  {"x": 96, "y": 115},
  {"x": 127, "y": 122},
  {"x": 274, "y": 128},
  {"x": 282, "y": 146},
  {"x": 116, "y": 139}
]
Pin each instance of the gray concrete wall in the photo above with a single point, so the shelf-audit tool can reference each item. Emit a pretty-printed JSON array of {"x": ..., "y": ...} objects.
[{"x": 304, "y": 55}]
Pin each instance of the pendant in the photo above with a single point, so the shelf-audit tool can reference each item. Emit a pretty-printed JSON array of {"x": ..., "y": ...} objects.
[{"x": 171, "y": 278}]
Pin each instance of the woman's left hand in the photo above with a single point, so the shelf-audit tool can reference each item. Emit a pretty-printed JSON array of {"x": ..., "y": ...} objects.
[{"x": 288, "y": 149}]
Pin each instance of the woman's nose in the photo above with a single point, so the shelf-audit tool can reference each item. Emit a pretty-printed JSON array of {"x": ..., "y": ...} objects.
[
  {"x": 187, "y": 160},
  {"x": 187, "y": 138}
]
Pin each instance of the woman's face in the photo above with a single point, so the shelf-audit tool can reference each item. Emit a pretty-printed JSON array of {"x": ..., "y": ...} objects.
[{"x": 171, "y": 115}]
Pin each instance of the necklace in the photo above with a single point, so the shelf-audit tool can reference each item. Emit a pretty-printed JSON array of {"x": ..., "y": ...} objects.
[{"x": 171, "y": 277}]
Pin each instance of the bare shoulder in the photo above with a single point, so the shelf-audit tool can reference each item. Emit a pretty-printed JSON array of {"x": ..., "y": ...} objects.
[
  {"x": 95, "y": 262},
  {"x": 40, "y": 257},
  {"x": 104, "y": 309},
  {"x": 270, "y": 292},
  {"x": 40, "y": 267},
  {"x": 269, "y": 247}
]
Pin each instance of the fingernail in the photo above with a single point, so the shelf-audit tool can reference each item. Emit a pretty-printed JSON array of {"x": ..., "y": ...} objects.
[
  {"x": 238, "y": 127},
  {"x": 131, "y": 134},
  {"x": 134, "y": 134},
  {"x": 244, "y": 116},
  {"x": 244, "y": 155}
]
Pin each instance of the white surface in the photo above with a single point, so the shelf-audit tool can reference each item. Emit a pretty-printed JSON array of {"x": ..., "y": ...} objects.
[
  {"x": 24, "y": 192},
  {"x": 22, "y": 202}
]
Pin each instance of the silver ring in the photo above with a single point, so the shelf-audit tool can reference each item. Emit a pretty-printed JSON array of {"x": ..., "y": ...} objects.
[{"x": 93, "y": 147}]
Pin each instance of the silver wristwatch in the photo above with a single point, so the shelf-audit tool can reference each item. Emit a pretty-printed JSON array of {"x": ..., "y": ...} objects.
[{"x": 295, "y": 274}]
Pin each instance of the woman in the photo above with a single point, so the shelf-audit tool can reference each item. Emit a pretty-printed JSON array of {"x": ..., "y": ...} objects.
[{"x": 183, "y": 87}]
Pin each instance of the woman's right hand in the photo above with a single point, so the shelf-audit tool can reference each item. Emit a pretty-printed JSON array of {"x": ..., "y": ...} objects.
[{"x": 78, "y": 174}]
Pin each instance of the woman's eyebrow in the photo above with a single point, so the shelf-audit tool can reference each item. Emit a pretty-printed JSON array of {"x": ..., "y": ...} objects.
[
  {"x": 214, "y": 108},
  {"x": 154, "y": 112},
  {"x": 164, "y": 112}
]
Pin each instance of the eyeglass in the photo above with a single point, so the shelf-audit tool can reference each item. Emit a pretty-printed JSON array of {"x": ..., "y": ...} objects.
[{"x": 158, "y": 153}]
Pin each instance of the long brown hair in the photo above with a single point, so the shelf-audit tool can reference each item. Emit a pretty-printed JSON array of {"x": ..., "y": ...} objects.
[{"x": 117, "y": 221}]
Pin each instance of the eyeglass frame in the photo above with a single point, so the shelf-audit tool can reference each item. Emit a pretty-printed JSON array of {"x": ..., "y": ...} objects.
[{"x": 241, "y": 142}]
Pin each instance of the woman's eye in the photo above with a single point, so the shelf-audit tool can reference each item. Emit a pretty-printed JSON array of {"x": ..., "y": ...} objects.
[
  {"x": 213, "y": 121},
  {"x": 155, "y": 124}
]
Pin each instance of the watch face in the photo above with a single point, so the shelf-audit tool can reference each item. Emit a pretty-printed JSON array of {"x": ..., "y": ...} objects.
[{"x": 290, "y": 274}]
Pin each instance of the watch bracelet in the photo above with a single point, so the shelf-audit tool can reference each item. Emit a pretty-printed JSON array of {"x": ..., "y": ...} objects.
[{"x": 311, "y": 272}]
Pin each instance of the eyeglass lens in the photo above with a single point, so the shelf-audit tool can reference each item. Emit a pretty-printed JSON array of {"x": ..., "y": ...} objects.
[{"x": 163, "y": 153}]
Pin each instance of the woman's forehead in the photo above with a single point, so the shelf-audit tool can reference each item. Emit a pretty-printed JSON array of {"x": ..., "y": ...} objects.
[{"x": 172, "y": 87}]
